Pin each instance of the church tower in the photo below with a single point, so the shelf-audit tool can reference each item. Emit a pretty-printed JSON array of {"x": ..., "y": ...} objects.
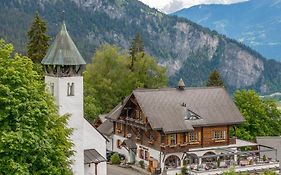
[
  {"x": 63, "y": 76},
  {"x": 63, "y": 66}
]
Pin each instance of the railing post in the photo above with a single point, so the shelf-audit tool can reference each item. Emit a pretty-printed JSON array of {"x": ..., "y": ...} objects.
[
  {"x": 200, "y": 160},
  {"x": 96, "y": 169}
]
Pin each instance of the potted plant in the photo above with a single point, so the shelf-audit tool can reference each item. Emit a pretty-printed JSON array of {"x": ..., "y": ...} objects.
[{"x": 264, "y": 158}]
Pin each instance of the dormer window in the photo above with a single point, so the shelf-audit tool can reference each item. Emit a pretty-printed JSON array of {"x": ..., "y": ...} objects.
[
  {"x": 70, "y": 89},
  {"x": 191, "y": 115}
]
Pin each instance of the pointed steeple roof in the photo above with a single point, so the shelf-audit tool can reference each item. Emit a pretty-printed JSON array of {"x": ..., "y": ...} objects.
[
  {"x": 63, "y": 51},
  {"x": 181, "y": 84}
]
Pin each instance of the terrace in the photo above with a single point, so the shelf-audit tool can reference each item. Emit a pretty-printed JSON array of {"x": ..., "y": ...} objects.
[{"x": 242, "y": 156}]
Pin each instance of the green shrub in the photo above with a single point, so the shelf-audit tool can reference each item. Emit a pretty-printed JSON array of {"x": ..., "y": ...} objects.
[
  {"x": 115, "y": 159},
  {"x": 141, "y": 163},
  {"x": 184, "y": 170},
  {"x": 269, "y": 173}
]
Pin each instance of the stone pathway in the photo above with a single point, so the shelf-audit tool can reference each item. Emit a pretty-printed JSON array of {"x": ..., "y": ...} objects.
[{"x": 115, "y": 170}]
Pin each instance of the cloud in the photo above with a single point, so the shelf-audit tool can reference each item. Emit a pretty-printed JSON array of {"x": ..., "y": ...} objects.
[{"x": 170, "y": 6}]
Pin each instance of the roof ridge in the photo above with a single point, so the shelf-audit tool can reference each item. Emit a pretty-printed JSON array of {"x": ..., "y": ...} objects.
[{"x": 171, "y": 88}]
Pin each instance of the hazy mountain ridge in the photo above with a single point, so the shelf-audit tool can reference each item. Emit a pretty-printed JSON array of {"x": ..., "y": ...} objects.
[
  {"x": 256, "y": 23},
  {"x": 187, "y": 49}
]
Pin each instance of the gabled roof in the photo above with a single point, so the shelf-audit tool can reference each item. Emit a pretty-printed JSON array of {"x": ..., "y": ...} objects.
[
  {"x": 166, "y": 109},
  {"x": 106, "y": 128},
  {"x": 63, "y": 51}
]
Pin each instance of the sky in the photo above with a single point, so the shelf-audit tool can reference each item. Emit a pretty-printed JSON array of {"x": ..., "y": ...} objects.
[{"x": 170, "y": 6}]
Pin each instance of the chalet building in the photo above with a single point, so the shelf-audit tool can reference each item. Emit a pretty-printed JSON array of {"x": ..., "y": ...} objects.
[
  {"x": 174, "y": 127},
  {"x": 99, "y": 120},
  {"x": 63, "y": 77}
]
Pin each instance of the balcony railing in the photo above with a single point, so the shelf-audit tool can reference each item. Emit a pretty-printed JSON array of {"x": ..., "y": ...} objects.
[{"x": 135, "y": 123}]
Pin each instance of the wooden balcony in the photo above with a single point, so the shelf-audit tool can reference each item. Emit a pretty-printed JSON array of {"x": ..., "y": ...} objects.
[
  {"x": 136, "y": 123},
  {"x": 174, "y": 148}
]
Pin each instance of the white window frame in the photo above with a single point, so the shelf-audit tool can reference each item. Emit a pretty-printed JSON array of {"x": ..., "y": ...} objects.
[
  {"x": 193, "y": 137},
  {"x": 219, "y": 135}
]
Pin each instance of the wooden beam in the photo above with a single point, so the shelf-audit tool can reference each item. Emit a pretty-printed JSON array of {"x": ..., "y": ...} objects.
[{"x": 96, "y": 168}]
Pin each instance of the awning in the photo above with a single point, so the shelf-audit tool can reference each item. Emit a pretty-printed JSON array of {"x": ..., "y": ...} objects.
[
  {"x": 128, "y": 143},
  {"x": 92, "y": 156}
]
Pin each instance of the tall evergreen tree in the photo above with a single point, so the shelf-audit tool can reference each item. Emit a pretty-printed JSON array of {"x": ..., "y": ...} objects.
[
  {"x": 34, "y": 138},
  {"x": 38, "y": 39},
  {"x": 137, "y": 47},
  {"x": 215, "y": 79}
]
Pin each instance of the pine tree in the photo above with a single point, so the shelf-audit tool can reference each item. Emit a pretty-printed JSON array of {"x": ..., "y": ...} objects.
[
  {"x": 38, "y": 39},
  {"x": 137, "y": 47},
  {"x": 215, "y": 79}
]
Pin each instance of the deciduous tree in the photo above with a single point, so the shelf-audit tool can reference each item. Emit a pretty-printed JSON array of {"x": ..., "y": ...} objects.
[
  {"x": 34, "y": 138},
  {"x": 109, "y": 79},
  {"x": 262, "y": 118}
]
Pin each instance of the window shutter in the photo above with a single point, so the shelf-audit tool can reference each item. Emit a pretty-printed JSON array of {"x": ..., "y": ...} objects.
[
  {"x": 199, "y": 136},
  {"x": 139, "y": 153},
  {"x": 179, "y": 138},
  {"x": 169, "y": 139}
]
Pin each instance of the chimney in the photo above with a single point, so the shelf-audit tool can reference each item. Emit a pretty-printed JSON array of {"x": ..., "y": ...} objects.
[{"x": 181, "y": 85}]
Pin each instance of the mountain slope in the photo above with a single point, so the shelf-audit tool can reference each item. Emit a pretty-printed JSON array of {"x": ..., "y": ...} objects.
[
  {"x": 171, "y": 6},
  {"x": 188, "y": 50},
  {"x": 256, "y": 23}
]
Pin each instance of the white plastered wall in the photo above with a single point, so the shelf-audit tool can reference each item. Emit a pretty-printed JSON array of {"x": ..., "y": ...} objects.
[
  {"x": 121, "y": 150},
  {"x": 93, "y": 139},
  {"x": 84, "y": 136}
]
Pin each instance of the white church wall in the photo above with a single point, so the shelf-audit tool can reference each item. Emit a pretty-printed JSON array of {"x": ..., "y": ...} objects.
[
  {"x": 71, "y": 105},
  {"x": 94, "y": 140}
]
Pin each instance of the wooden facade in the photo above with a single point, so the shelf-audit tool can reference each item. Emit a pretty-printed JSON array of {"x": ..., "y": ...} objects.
[{"x": 134, "y": 124}]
